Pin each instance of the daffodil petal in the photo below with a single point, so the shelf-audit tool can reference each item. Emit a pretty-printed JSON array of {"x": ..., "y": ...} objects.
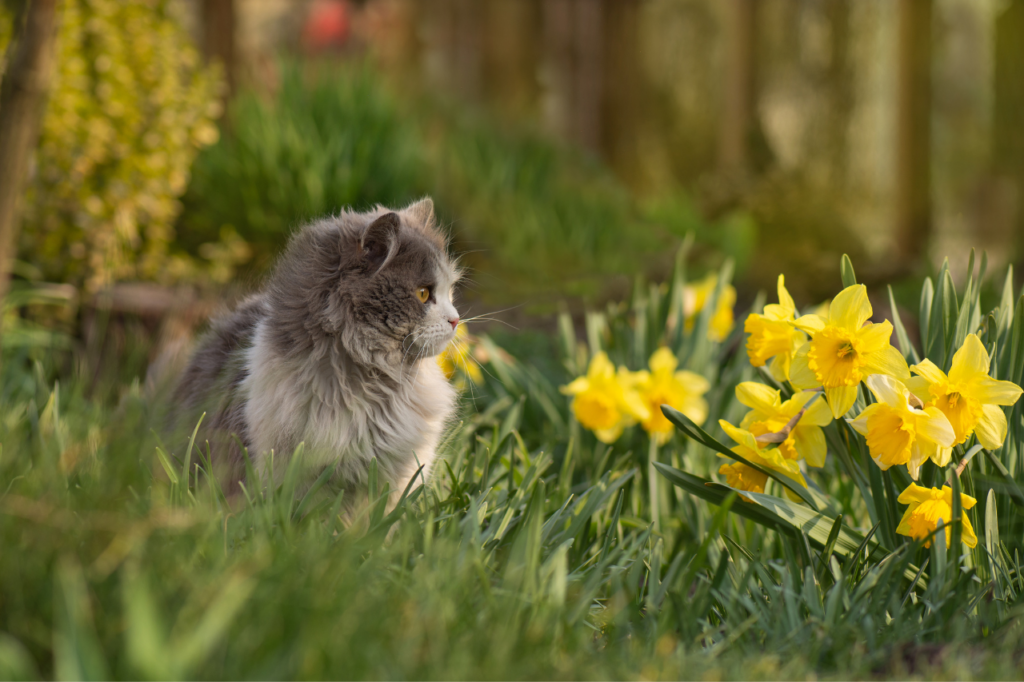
[
  {"x": 995, "y": 392},
  {"x": 841, "y": 399},
  {"x": 887, "y": 389},
  {"x": 969, "y": 360},
  {"x": 875, "y": 337},
  {"x": 785, "y": 300},
  {"x": 941, "y": 456},
  {"x": 609, "y": 435},
  {"x": 809, "y": 324},
  {"x": 663, "y": 361},
  {"x": 810, "y": 443},
  {"x": 851, "y": 308},
  {"x": 991, "y": 427},
  {"x": 929, "y": 372},
  {"x": 693, "y": 382},
  {"x": 967, "y": 534},
  {"x": 919, "y": 387},
  {"x": 779, "y": 367},
  {"x": 904, "y": 527},
  {"x": 635, "y": 405},
  {"x": 936, "y": 427},
  {"x": 860, "y": 424},
  {"x": 740, "y": 436},
  {"x": 577, "y": 385},
  {"x": 800, "y": 373},
  {"x": 818, "y": 412},
  {"x": 914, "y": 495},
  {"x": 889, "y": 361},
  {"x": 757, "y": 396},
  {"x": 917, "y": 458},
  {"x": 601, "y": 366}
]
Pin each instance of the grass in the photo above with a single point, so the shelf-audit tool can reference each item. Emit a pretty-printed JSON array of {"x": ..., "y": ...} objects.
[{"x": 529, "y": 554}]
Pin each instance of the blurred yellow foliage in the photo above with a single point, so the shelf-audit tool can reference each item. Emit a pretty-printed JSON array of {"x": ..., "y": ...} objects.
[{"x": 130, "y": 108}]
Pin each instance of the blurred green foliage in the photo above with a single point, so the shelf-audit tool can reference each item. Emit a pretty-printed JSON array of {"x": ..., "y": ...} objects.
[
  {"x": 529, "y": 217},
  {"x": 131, "y": 105},
  {"x": 322, "y": 144}
]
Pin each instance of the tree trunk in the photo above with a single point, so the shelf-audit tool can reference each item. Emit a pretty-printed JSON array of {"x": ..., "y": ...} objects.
[
  {"x": 739, "y": 113},
  {"x": 913, "y": 130},
  {"x": 624, "y": 90},
  {"x": 219, "y": 38},
  {"x": 1007, "y": 130},
  {"x": 22, "y": 99}
]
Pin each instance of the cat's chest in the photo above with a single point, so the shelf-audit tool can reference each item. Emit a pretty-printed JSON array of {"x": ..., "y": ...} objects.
[{"x": 288, "y": 405}]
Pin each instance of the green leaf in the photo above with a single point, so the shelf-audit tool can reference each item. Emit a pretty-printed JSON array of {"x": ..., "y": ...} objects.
[
  {"x": 165, "y": 462},
  {"x": 925, "y": 313},
  {"x": 716, "y": 493},
  {"x": 817, "y": 526},
  {"x": 1015, "y": 492},
  {"x": 909, "y": 351},
  {"x": 992, "y": 541},
  {"x": 846, "y": 270}
]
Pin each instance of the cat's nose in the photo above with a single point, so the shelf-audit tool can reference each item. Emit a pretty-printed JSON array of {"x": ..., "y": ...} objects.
[{"x": 454, "y": 321}]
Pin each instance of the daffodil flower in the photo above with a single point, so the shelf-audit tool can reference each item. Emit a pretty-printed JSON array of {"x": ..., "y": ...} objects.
[
  {"x": 749, "y": 449},
  {"x": 742, "y": 477},
  {"x": 898, "y": 432},
  {"x": 773, "y": 336},
  {"x": 696, "y": 296},
  {"x": 456, "y": 357},
  {"x": 927, "y": 506},
  {"x": 769, "y": 414},
  {"x": 844, "y": 349},
  {"x": 605, "y": 401},
  {"x": 968, "y": 396},
  {"x": 663, "y": 385}
]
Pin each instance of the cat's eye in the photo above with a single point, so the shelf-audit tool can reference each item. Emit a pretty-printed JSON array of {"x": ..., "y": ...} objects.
[{"x": 423, "y": 293}]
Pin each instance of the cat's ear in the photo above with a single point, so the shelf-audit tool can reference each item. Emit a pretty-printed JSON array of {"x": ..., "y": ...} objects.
[
  {"x": 421, "y": 212},
  {"x": 380, "y": 241}
]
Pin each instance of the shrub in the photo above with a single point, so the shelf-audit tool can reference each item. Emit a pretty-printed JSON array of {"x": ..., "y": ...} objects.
[{"x": 130, "y": 107}]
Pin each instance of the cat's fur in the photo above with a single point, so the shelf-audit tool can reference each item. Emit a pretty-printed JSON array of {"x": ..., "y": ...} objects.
[{"x": 336, "y": 352}]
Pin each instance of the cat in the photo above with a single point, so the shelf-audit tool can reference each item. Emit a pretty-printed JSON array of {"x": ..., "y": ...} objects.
[{"x": 337, "y": 352}]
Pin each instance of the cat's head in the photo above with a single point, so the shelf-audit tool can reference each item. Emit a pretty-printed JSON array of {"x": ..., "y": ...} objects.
[{"x": 381, "y": 282}]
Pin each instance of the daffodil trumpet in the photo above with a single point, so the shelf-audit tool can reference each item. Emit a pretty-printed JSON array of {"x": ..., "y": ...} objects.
[
  {"x": 899, "y": 433},
  {"x": 844, "y": 350},
  {"x": 794, "y": 424},
  {"x": 768, "y": 461}
]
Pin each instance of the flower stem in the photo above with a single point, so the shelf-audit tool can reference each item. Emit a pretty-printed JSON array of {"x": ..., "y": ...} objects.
[{"x": 652, "y": 483}]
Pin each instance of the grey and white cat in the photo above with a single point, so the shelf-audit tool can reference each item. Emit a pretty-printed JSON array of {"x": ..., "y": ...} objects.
[{"x": 336, "y": 352}]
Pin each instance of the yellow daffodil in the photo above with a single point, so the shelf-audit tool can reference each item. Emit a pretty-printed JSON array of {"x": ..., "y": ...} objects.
[
  {"x": 742, "y": 477},
  {"x": 605, "y": 401},
  {"x": 695, "y": 297},
  {"x": 968, "y": 396},
  {"x": 927, "y": 506},
  {"x": 898, "y": 432},
  {"x": 457, "y": 358},
  {"x": 844, "y": 349},
  {"x": 749, "y": 449},
  {"x": 772, "y": 335},
  {"x": 770, "y": 415},
  {"x": 663, "y": 385}
]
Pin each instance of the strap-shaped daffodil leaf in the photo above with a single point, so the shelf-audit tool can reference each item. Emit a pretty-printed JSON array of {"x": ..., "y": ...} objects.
[{"x": 686, "y": 425}]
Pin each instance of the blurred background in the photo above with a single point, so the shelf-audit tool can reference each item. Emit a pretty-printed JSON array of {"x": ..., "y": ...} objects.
[{"x": 570, "y": 146}]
